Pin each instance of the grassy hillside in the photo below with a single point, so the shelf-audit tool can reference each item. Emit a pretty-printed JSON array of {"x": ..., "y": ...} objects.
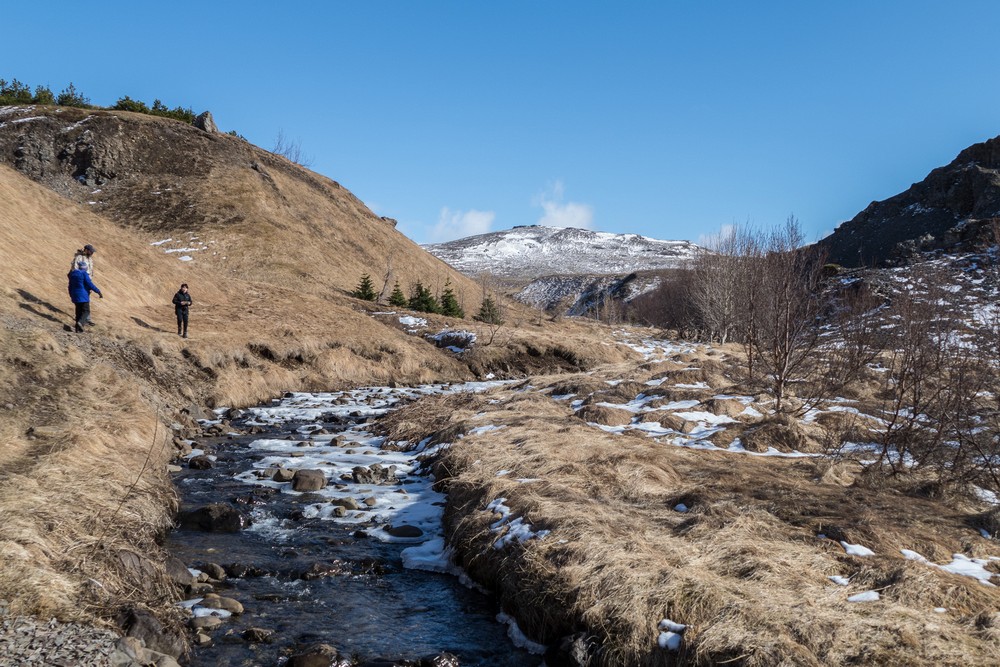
[
  {"x": 262, "y": 217},
  {"x": 86, "y": 417}
]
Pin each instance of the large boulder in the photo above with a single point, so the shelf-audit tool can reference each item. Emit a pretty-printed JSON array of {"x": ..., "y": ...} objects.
[
  {"x": 205, "y": 122},
  {"x": 308, "y": 480}
]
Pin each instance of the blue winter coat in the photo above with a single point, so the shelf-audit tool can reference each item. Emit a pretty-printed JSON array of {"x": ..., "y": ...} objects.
[{"x": 80, "y": 286}]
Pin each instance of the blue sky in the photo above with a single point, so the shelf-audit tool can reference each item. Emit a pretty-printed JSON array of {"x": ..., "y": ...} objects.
[{"x": 668, "y": 119}]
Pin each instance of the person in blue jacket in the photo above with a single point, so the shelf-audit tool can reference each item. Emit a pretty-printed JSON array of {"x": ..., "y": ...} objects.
[{"x": 80, "y": 287}]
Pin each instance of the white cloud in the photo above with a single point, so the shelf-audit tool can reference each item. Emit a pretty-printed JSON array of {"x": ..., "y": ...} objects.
[
  {"x": 459, "y": 224},
  {"x": 559, "y": 214}
]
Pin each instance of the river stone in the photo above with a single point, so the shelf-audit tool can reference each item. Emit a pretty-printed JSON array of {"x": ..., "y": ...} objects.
[
  {"x": 370, "y": 501},
  {"x": 339, "y": 512},
  {"x": 319, "y": 655},
  {"x": 171, "y": 468},
  {"x": 404, "y": 530},
  {"x": 214, "y": 517},
  {"x": 258, "y": 635},
  {"x": 241, "y": 571},
  {"x": 201, "y": 462},
  {"x": 213, "y": 601},
  {"x": 374, "y": 474},
  {"x": 347, "y": 503},
  {"x": 205, "y": 623},
  {"x": 283, "y": 475},
  {"x": 213, "y": 570},
  {"x": 308, "y": 480},
  {"x": 155, "y": 636},
  {"x": 201, "y": 640},
  {"x": 178, "y": 572},
  {"x": 296, "y": 455},
  {"x": 200, "y": 588}
]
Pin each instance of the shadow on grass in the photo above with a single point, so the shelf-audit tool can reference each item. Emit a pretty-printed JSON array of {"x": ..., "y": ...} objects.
[{"x": 147, "y": 325}]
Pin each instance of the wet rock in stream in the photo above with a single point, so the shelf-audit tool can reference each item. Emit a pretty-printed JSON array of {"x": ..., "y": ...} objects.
[
  {"x": 308, "y": 480},
  {"x": 373, "y": 474},
  {"x": 214, "y": 517}
]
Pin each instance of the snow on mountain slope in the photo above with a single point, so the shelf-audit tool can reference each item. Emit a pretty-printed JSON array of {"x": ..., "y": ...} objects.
[{"x": 530, "y": 252}]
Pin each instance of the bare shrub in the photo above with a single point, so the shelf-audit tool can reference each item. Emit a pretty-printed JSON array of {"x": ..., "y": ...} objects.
[{"x": 292, "y": 150}]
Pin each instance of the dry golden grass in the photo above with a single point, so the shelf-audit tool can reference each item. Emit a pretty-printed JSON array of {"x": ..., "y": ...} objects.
[
  {"x": 93, "y": 402},
  {"x": 744, "y": 568}
]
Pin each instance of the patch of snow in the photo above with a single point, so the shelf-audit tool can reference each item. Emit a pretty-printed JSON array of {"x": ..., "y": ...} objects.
[
  {"x": 509, "y": 528},
  {"x": 411, "y": 321},
  {"x": 518, "y": 638},
  {"x": 867, "y": 596},
  {"x": 671, "y": 634},
  {"x": 856, "y": 550}
]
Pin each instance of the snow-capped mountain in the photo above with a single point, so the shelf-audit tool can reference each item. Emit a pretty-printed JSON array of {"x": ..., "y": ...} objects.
[{"x": 526, "y": 253}]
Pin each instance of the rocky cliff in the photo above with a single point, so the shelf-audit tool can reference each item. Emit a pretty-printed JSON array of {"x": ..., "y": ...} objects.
[{"x": 953, "y": 209}]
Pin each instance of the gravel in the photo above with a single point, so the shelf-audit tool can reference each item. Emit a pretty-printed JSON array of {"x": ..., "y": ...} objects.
[{"x": 30, "y": 641}]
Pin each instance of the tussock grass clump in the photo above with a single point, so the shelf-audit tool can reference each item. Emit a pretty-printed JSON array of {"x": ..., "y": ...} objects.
[
  {"x": 601, "y": 414},
  {"x": 780, "y": 432},
  {"x": 668, "y": 419}
]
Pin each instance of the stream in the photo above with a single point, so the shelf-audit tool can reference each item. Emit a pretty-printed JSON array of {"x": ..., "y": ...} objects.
[{"x": 327, "y": 566}]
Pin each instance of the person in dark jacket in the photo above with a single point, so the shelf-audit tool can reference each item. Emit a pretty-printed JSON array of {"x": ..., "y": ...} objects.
[
  {"x": 182, "y": 302},
  {"x": 80, "y": 287}
]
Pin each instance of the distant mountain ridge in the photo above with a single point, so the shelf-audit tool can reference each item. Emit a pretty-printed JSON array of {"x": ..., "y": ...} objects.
[
  {"x": 952, "y": 208},
  {"x": 529, "y": 252}
]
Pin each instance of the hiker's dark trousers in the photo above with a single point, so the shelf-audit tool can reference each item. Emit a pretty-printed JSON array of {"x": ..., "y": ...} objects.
[
  {"x": 82, "y": 314},
  {"x": 182, "y": 320}
]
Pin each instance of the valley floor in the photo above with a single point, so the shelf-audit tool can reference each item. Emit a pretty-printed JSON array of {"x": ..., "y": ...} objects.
[{"x": 646, "y": 516}]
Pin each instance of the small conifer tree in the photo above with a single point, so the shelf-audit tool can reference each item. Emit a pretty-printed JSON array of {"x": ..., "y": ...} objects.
[
  {"x": 489, "y": 312},
  {"x": 422, "y": 300},
  {"x": 365, "y": 290},
  {"x": 397, "y": 298},
  {"x": 71, "y": 97},
  {"x": 449, "y": 303}
]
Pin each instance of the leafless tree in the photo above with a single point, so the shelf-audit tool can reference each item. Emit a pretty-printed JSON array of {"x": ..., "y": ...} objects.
[
  {"x": 291, "y": 150},
  {"x": 787, "y": 325},
  {"x": 492, "y": 314},
  {"x": 387, "y": 275},
  {"x": 715, "y": 288}
]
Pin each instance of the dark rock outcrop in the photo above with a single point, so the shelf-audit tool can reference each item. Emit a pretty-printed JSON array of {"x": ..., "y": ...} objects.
[
  {"x": 953, "y": 209},
  {"x": 205, "y": 122}
]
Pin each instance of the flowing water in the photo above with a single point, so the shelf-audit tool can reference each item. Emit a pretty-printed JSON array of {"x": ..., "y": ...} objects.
[{"x": 312, "y": 575}]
